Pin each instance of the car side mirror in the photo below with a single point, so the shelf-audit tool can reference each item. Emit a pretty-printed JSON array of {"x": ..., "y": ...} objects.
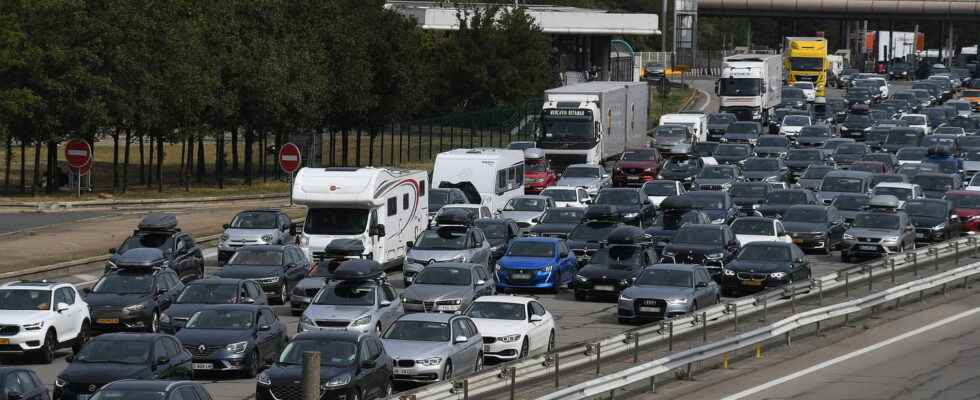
[
  {"x": 162, "y": 360},
  {"x": 248, "y": 300},
  {"x": 61, "y": 307},
  {"x": 481, "y": 282},
  {"x": 534, "y": 220},
  {"x": 112, "y": 250},
  {"x": 225, "y": 226},
  {"x": 535, "y": 318},
  {"x": 264, "y": 328},
  {"x": 563, "y": 254},
  {"x": 87, "y": 290},
  {"x": 460, "y": 339},
  {"x": 69, "y": 358},
  {"x": 378, "y": 230},
  {"x": 604, "y": 176},
  {"x": 384, "y": 304},
  {"x": 701, "y": 285},
  {"x": 409, "y": 244},
  {"x": 294, "y": 228},
  {"x": 367, "y": 364},
  {"x": 14, "y": 396}
]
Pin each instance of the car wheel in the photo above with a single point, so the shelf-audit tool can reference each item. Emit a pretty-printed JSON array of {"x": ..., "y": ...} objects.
[
  {"x": 447, "y": 371},
  {"x": 355, "y": 394},
  {"x": 253, "y": 365},
  {"x": 844, "y": 257},
  {"x": 551, "y": 341},
  {"x": 81, "y": 339},
  {"x": 155, "y": 323},
  {"x": 579, "y": 296},
  {"x": 283, "y": 294},
  {"x": 377, "y": 328},
  {"x": 524, "y": 348},
  {"x": 389, "y": 390},
  {"x": 479, "y": 362},
  {"x": 694, "y": 307},
  {"x": 727, "y": 292},
  {"x": 46, "y": 352}
]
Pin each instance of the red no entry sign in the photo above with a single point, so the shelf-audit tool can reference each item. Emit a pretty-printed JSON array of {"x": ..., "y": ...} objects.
[
  {"x": 78, "y": 153},
  {"x": 290, "y": 158}
]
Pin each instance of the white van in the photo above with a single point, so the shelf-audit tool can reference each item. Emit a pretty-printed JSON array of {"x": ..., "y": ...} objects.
[
  {"x": 697, "y": 122},
  {"x": 497, "y": 175},
  {"x": 383, "y": 208}
]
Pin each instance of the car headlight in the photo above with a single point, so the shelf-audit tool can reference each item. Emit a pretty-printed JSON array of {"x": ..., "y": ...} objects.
[
  {"x": 727, "y": 272},
  {"x": 339, "y": 380},
  {"x": 890, "y": 239},
  {"x": 723, "y": 140},
  {"x": 362, "y": 321},
  {"x": 777, "y": 275},
  {"x": 224, "y": 238},
  {"x": 668, "y": 253},
  {"x": 623, "y": 297},
  {"x": 718, "y": 221},
  {"x": 974, "y": 218},
  {"x": 848, "y": 236},
  {"x": 430, "y": 362},
  {"x": 60, "y": 382},
  {"x": 459, "y": 258},
  {"x": 450, "y": 302},
  {"x": 726, "y": 186},
  {"x": 498, "y": 268},
  {"x": 688, "y": 179},
  {"x": 304, "y": 320},
  {"x": 868, "y": 129},
  {"x": 676, "y": 301},
  {"x": 547, "y": 268},
  {"x": 134, "y": 308},
  {"x": 714, "y": 256},
  {"x": 939, "y": 227},
  {"x": 263, "y": 379},
  {"x": 509, "y": 338},
  {"x": 631, "y": 215},
  {"x": 304, "y": 241},
  {"x": 843, "y": 128},
  {"x": 237, "y": 347},
  {"x": 33, "y": 326},
  {"x": 581, "y": 278},
  {"x": 625, "y": 282}
]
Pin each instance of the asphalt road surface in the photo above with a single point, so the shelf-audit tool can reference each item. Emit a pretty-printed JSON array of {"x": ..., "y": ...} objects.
[{"x": 12, "y": 222}]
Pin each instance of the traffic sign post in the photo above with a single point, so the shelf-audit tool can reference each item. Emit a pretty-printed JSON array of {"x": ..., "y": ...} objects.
[
  {"x": 290, "y": 159},
  {"x": 79, "y": 155}
]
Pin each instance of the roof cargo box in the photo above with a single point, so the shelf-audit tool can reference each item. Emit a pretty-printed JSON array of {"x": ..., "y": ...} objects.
[
  {"x": 140, "y": 257},
  {"x": 345, "y": 247},
  {"x": 358, "y": 270},
  {"x": 626, "y": 235},
  {"x": 676, "y": 203},
  {"x": 158, "y": 222},
  {"x": 454, "y": 216},
  {"x": 601, "y": 212}
]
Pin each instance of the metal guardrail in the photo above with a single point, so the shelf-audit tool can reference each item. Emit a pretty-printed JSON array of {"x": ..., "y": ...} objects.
[
  {"x": 775, "y": 330},
  {"x": 576, "y": 355}
]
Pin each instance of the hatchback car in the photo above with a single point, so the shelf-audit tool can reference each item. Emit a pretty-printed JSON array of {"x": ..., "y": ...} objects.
[
  {"x": 587, "y": 176},
  {"x": 874, "y": 233},
  {"x": 659, "y": 190},
  {"x": 556, "y": 222},
  {"x": 814, "y": 227},
  {"x": 966, "y": 205},
  {"x": 772, "y": 146},
  {"x": 362, "y": 305},
  {"x": 430, "y": 347},
  {"x": 717, "y": 177},
  {"x": 526, "y": 210},
  {"x": 250, "y": 227},
  {"x": 742, "y": 132},
  {"x": 632, "y": 205},
  {"x": 535, "y": 263},
  {"x": 132, "y": 299},
  {"x": 682, "y": 169},
  {"x": 446, "y": 243},
  {"x": 640, "y": 165},
  {"x": 710, "y": 245},
  {"x": 935, "y": 220},
  {"x": 613, "y": 267},
  {"x": 239, "y": 338},
  {"x": 667, "y": 290}
]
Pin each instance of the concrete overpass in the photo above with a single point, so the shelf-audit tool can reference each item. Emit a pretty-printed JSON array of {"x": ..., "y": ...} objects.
[{"x": 845, "y": 9}]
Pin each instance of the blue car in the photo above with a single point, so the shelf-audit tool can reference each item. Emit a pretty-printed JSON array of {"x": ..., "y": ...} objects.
[{"x": 535, "y": 263}]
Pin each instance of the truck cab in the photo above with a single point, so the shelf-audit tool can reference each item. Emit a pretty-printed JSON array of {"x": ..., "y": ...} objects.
[{"x": 805, "y": 59}]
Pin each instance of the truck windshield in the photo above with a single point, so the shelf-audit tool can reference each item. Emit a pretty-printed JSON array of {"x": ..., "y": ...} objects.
[
  {"x": 336, "y": 221},
  {"x": 806, "y": 63},
  {"x": 555, "y": 127},
  {"x": 740, "y": 87}
]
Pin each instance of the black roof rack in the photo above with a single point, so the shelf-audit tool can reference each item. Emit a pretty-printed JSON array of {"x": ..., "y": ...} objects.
[
  {"x": 455, "y": 216},
  {"x": 676, "y": 203},
  {"x": 358, "y": 270},
  {"x": 158, "y": 222},
  {"x": 344, "y": 247},
  {"x": 601, "y": 212},
  {"x": 139, "y": 258},
  {"x": 627, "y": 235}
]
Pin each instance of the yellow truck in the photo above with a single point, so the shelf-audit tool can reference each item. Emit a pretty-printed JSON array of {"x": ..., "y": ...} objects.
[{"x": 805, "y": 60}]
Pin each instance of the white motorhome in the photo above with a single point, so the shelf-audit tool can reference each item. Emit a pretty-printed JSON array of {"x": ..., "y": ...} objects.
[
  {"x": 497, "y": 175},
  {"x": 698, "y": 123},
  {"x": 383, "y": 208}
]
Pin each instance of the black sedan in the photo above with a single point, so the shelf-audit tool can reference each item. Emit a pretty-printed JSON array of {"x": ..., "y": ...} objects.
[
  {"x": 633, "y": 206},
  {"x": 111, "y": 357},
  {"x": 814, "y": 227},
  {"x": 612, "y": 268},
  {"x": 761, "y": 265},
  {"x": 814, "y": 136},
  {"x": 711, "y": 245},
  {"x": 856, "y": 126},
  {"x": 233, "y": 338},
  {"x": 798, "y": 160},
  {"x": 276, "y": 267},
  {"x": 139, "y": 389},
  {"x": 779, "y": 201},
  {"x": 747, "y": 195},
  {"x": 765, "y": 170},
  {"x": 934, "y": 219},
  {"x": 772, "y": 146},
  {"x": 732, "y": 153},
  {"x": 352, "y": 366},
  {"x": 558, "y": 222},
  {"x": 203, "y": 293}
]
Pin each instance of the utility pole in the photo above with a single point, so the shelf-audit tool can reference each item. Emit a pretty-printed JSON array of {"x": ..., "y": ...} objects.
[{"x": 663, "y": 29}]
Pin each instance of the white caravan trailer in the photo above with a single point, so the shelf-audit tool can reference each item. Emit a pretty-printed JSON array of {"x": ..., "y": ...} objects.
[
  {"x": 497, "y": 175},
  {"x": 382, "y": 207}
]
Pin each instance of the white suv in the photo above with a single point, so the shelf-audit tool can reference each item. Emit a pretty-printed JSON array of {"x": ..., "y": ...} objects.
[{"x": 40, "y": 317}]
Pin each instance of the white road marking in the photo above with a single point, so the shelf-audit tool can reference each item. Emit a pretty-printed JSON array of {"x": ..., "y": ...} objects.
[{"x": 848, "y": 356}]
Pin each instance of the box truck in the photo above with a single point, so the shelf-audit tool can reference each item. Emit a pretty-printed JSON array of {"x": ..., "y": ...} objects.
[
  {"x": 593, "y": 122},
  {"x": 749, "y": 86},
  {"x": 383, "y": 208}
]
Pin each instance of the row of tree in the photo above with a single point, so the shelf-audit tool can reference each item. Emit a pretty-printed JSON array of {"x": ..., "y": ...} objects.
[{"x": 145, "y": 73}]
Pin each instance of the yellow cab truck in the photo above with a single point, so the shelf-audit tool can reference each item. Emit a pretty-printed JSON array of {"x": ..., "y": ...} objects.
[{"x": 805, "y": 60}]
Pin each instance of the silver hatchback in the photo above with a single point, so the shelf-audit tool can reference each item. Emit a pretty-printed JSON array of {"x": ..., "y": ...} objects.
[{"x": 362, "y": 306}]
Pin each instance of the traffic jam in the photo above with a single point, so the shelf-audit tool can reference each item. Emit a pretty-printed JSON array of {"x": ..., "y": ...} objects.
[{"x": 399, "y": 278}]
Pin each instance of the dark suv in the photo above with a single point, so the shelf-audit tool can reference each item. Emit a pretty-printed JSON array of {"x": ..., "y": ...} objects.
[
  {"x": 712, "y": 245},
  {"x": 177, "y": 250}
]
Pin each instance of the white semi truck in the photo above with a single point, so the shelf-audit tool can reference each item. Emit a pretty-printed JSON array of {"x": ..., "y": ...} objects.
[
  {"x": 749, "y": 86},
  {"x": 593, "y": 122}
]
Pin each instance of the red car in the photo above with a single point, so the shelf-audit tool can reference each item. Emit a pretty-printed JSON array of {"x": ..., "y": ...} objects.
[
  {"x": 636, "y": 167},
  {"x": 537, "y": 173},
  {"x": 966, "y": 204}
]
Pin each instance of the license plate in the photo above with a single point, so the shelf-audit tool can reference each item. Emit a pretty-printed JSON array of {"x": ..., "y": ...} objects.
[
  {"x": 487, "y": 348},
  {"x": 605, "y": 288},
  {"x": 632, "y": 178},
  {"x": 521, "y": 276},
  {"x": 650, "y": 309},
  {"x": 920, "y": 235},
  {"x": 107, "y": 321},
  {"x": 447, "y": 308},
  {"x": 751, "y": 283},
  {"x": 869, "y": 248},
  {"x": 402, "y": 371},
  {"x": 4, "y": 341},
  {"x": 202, "y": 366}
]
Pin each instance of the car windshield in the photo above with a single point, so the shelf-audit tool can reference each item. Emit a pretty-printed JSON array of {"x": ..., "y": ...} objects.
[
  {"x": 800, "y": 214},
  {"x": 346, "y": 295},
  {"x": 493, "y": 230},
  {"x": 796, "y": 120},
  {"x": 25, "y": 299},
  {"x": 739, "y": 86},
  {"x": 673, "y": 221},
  {"x": 876, "y": 220},
  {"x": 140, "y": 240},
  {"x": 699, "y": 236},
  {"x": 772, "y": 141},
  {"x": 911, "y": 154},
  {"x": 254, "y": 256},
  {"x": 717, "y": 172},
  {"x": 666, "y": 277},
  {"x": 425, "y": 331},
  {"x": 814, "y": 131},
  {"x": 791, "y": 94},
  {"x": 525, "y": 204},
  {"x": 718, "y": 119},
  {"x": 705, "y": 148},
  {"x": 445, "y": 276},
  {"x": 852, "y": 149},
  {"x": 128, "y": 394},
  {"x": 120, "y": 282},
  {"x": 209, "y": 293},
  {"x": 582, "y": 172},
  {"x": 764, "y": 253},
  {"x": 639, "y": 156},
  {"x": 221, "y": 319},
  {"x": 850, "y": 203},
  {"x": 114, "y": 351},
  {"x": 749, "y": 190},
  {"x": 618, "y": 257},
  {"x": 933, "y": 140},
  {"x": 443, "y": 238},
  {"x": 900, "y": 193},
  {"x": 559, "y": 216},
  {"x": 832, "y": 144},
  {"x": 531, "y": 249},
  {"x": 803, "y": 85},
  {"x": 946, "y": 167},
  {"x": 681, "y": 163},
  {"x": 761, "y": 164},
  {"x": 709, "y": 202},
  {"x": 535, "y": 165},
  {"x": 558, "y": 127},
  {"x": 592, "y": 232},
  {"x": 497, "y": 310},
  {"x": 925, "y": 209},
  {"x": 336, "y": 221},
  {"x": 972, "y": 156},
  {"x": 786, "y": 197},
  {"x": 618, "y": 197},
  {"x": 934, "y": 183},
  {"x": 858, "y": 118},
  {"x": 333, "y": 353},
  {"x": 438, "y": 198},
  {"x": 914, "y": 119},
  {"x": 964, "y": 201},
  {"x": 731, "y": 150},
  {"x": 842, "y": 184},
  {"x": 659, "y": 188},
  {"x": 743, "y": 128},
  {"x": 753, "y": 227},
  {"x": 255, "y": 220},
  {"x": 950, "y": 130},
  {"x": 867, "y": 166},
  {"x": 816, "y": 173},
  {"x": 560, "y": 194}
]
